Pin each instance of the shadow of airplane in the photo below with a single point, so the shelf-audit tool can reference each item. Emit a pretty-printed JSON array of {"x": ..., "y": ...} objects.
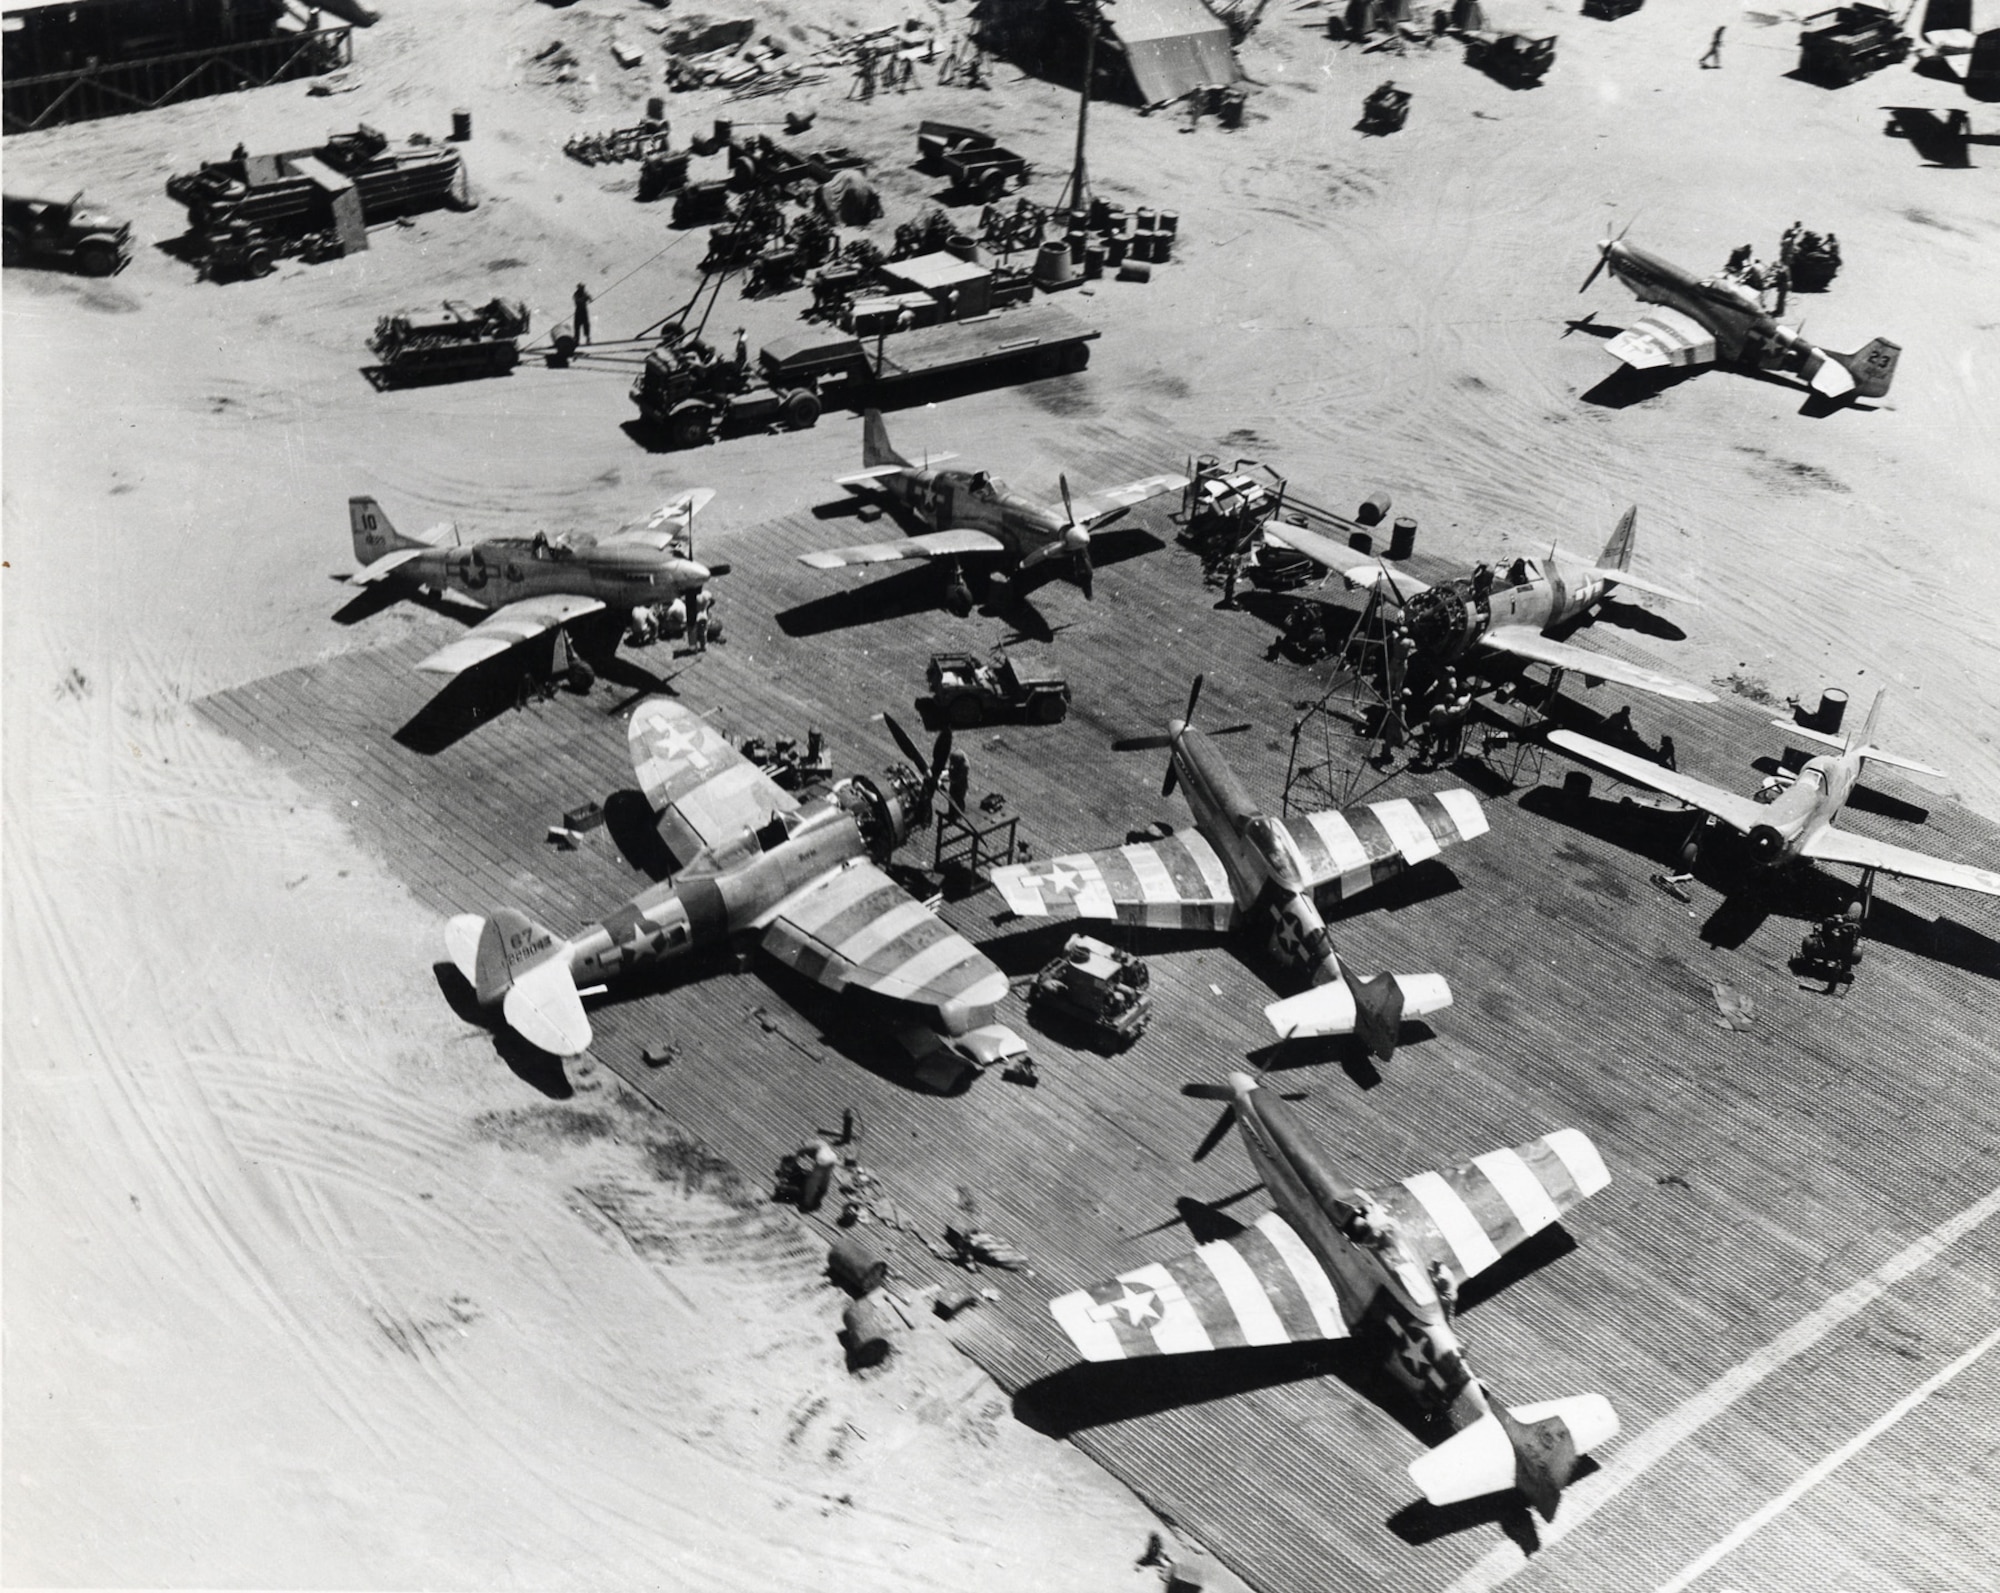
[{"x": 1626, "y": 386}]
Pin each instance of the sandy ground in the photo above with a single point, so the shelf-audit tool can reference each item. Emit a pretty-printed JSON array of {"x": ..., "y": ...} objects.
[{"x": 303, "y": 1288}]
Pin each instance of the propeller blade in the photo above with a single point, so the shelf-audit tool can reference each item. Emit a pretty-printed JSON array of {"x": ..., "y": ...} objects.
[
  {"x": 1603, "y": 260},
  {"x": 1069, "y": 514},
  {"x": 940, "y": 754},
  {"x": 1173, "y": 779},
  {"x": 1194, "y": 696},
  {"x": 1098, "y": 522},
  {"x": 905, "y": 745},
  {"x": 1215, "y": 1135},
  {"x": 1141, "y": 743},
  {"x": 1084, "y": 574}
]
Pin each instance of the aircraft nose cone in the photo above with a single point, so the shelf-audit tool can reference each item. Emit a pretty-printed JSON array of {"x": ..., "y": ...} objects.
[
  {"x": 1175, "y": 727},
  {"x": 1242, "y": 1083},
  {"x": 690, "y": 573},
  {"x": 1076, "y": 538}
]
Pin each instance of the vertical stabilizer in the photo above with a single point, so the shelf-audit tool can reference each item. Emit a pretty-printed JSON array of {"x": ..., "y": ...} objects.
[
  {"x": 875, "y": 449},
  {"x": 373, "y": 534},
  {"x": 1617, "y": 554},
  {"x": 1865, "y": 736},
  {"x": 1873, "y": 367}
]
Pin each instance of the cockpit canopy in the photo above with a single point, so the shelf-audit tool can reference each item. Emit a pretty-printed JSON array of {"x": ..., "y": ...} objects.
[{"x": 1276, "y": 849}]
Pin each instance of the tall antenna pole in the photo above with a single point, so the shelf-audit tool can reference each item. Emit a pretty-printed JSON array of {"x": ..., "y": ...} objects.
[{"x": 1078, "y": 190}]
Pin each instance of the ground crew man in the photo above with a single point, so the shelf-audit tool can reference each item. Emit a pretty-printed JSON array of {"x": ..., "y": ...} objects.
[
  {"x": 581, "y": 299},
  {"x": 704, "y": 600},
  {"x": 742, "y": 351},
  {"x": 818, "y": 1177},
  {"x": 957, "y": 781}
]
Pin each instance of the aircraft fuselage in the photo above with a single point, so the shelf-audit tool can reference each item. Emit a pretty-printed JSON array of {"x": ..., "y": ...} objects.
[
  {"x": 953, "y": 500},
  {"x": 1448, "y": 620},
  {"x": 1806, "y": 807},
  {"x": 1265, "y": 871},
  {"x": 1384, "y": 1289},
  {"x": 1729, "y": 310},
  {"x": 507, "y": 570}
]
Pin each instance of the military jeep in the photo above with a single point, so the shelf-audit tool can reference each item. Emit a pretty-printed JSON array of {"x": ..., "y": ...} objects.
[{"x": 66, "y": 233}]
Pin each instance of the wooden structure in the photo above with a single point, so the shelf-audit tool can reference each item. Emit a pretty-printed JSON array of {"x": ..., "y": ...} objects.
[
  {"x": 1758, "y": 1175},
  {"x": 77, "y": 60}
]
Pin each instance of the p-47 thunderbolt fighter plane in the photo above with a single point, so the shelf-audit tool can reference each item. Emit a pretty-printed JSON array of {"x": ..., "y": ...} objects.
[
  {"x": 1238, "y": 866},
  {"x": 1797, "y": 824},
  {"x": 1381, "y": 1265},
  {"x": 1510, "y": 610},
  {"x": 1703, "y": 321},
  {"x": 536, "y": 584},
  {"x": 800, "y": 880},
  {"x": 973, "y": 515}
]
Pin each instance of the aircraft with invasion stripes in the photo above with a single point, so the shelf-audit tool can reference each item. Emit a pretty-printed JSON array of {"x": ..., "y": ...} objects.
[
  {"x": 801, "y": 881},
  {"x": 1241, "y": 867},
  {"x": 1380, "y": 1266}
]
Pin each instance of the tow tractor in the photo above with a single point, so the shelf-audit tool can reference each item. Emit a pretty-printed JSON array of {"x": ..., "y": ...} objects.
[{"x": 1104, "y": 989}]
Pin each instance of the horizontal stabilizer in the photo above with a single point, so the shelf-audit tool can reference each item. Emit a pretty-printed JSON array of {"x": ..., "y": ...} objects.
[
  {"x": 544, "y": 1008},
  {"x": 1792, "y": 727},
  {"x": 386, "y": 565},
  {"x": 1830, "y": 378},
  {"x": 1329, "y": 1008},
  {"x": 1481, "y": 1459},
  {"x": 1638, "y": 583},
  {"x": 461, "y": 939}
]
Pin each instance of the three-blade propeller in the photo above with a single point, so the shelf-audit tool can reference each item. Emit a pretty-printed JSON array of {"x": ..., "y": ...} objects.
[
  {"x": 1173, "y": 774},
  {"x": 1604, "y": 255}
]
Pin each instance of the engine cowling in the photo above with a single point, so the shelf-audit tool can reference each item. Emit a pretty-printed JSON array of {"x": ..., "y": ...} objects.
[
  {"x": 1767, "y": 845},
  {"x": 888, "y": 809}
]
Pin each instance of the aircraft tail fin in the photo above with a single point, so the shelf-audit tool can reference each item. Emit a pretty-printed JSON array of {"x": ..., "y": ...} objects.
[
  {"x": 875, "y": 449},
  {"x": 1535, "y": 1448},
  {"x": 1865, "y": 736},
  {"x": 511, "y": 959},
  {"x": 375, "y": 536},
  {"x": 1873, "y": 366},
  {"x": 1617, "y": 554}
]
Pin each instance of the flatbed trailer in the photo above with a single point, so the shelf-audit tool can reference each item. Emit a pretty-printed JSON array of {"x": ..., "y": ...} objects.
[
  {"x": 797, "y": 376},
  {"x": 1024, "y": 344}
]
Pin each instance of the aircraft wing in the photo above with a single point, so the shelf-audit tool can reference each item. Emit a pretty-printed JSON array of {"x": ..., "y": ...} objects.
[
  {"x": 1261, "y": 1287},
  {"x": 1091, "y": 506},
  {"x": 1343, "y": 853},
  {"x": 1663, "y": 337},
  {"x": 1471, "y": 1216},
  {"x": 1176, "y": 883},
  {"x": 1738, "y": 812},
  {"x": 930, "y": 545},
  {"x": 856, "y": 926},
  {"x": 668, "y": 523},
  {"x": 508, "y": 627},
  {"x": 704, "y": 789},
  {"x": 1338, "y": 557},
  {"x": 1524, "y": 641},
  {"x": 1841, "y": 846}
]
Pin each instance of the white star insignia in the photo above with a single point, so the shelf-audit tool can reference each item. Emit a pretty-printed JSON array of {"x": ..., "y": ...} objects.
[
  {"x": 1059, "y": 880},
  {"x": 1139, "y": 1306}
]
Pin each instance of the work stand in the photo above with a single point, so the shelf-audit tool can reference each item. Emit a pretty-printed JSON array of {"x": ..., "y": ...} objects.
[
  {"x": 965, "y": 850},
  {"x": 1319, "y": 776}
]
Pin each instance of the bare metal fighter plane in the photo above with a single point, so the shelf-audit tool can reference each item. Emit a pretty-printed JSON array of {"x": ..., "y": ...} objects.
[
  {"x": 537, "y": 584},
  {"x": 802, "y": 881},
  {"x": 972, "y": 515},
  {"x": 1796, "y": 825},
  {"x": 1702, "y": 321},
  {"x": 1512, "y": 610},
  {"x": 1238, "y": 866},
  {"x": 1382, "y": 1266}
]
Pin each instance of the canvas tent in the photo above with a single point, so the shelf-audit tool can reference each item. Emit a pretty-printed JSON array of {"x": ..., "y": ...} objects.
[{"x": 1172, "y": 46}]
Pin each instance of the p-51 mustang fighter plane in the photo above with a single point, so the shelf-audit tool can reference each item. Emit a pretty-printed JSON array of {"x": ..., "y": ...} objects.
[
  {"x": 800, "y": 880},
  {"x": 1382, "y": 1265},
  {"x": 973, "y": 515},
  {"x": 536, "y": 584},
  {"x": 1239, "y": 866},
  {"x": 1509, "y": 611},
  {"x": 1797, "y": 824},
  {"x": 1717, "y": 319}
]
